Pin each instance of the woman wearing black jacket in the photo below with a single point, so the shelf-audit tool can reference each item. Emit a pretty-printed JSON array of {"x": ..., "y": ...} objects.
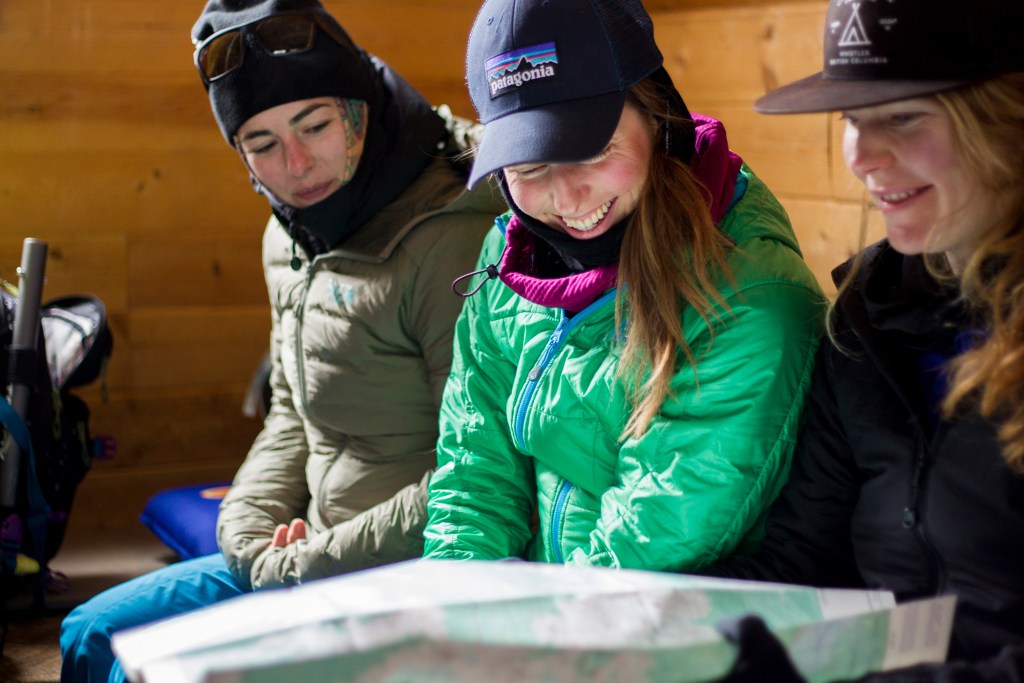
[{"x": 909, "y": 474}]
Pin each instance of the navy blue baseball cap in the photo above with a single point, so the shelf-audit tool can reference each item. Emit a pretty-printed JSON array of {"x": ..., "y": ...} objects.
[
  {"x": 879, "y": 52},
  {"x": 549, "y": 78}
]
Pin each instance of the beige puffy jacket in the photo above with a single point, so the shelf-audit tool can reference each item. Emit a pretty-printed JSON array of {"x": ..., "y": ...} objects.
[{"x": 360, "y": 349}]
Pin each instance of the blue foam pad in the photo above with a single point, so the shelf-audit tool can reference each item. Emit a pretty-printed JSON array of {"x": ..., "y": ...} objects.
[{"x": 185, "y": 518}]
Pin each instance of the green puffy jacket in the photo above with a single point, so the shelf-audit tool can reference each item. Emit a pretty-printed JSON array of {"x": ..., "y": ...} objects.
[{"x": 531, "y": 461}]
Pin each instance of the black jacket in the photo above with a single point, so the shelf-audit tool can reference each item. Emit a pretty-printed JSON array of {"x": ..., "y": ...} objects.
[{"x": 884, "y": 495}]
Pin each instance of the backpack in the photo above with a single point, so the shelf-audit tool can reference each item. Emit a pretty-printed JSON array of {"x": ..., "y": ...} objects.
[{"x": 73, "y": 348}]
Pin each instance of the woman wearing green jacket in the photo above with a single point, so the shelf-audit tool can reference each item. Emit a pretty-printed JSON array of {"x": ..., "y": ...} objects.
[{"x": 629, "y": 393}]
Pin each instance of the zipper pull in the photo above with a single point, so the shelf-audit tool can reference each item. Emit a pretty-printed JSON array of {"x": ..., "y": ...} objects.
[{"x": 909, "y": 518}]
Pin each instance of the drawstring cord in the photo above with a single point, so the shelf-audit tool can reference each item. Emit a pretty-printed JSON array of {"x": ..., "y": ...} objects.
[{"x": 491, "y": 272}]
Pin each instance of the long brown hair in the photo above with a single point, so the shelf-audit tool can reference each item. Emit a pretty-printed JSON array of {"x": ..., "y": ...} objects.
[
  {"x": 988, "y": 121},
  {"x": 671, "y": 255}
]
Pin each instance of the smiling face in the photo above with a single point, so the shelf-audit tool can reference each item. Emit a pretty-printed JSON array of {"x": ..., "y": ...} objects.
[
  {"x": 585, "y": 199},
  {"x": 905, "y": 155},
  {"x": 302, "y": 151}
]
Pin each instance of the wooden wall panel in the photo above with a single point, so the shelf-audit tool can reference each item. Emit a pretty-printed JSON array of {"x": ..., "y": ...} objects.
[
  {"x": 91, "y": 263},
  {"x": 786, "y": 152},
  {"x": 209, "y": 348},
  {"x": 58, "y": 111},
  {"x": 723, "y": 56},
  {"x": 830, "y": 232},
  {"x": 143, "y": 195},
  {"x": 728, "y": 55},
  {"x": 168, "y": 428},
  {"x": 163, "y": 439},
  {"x": 423, "y": 41},
  {"x": 201, "y": 271},
  {"x": 98, "y": 37}
]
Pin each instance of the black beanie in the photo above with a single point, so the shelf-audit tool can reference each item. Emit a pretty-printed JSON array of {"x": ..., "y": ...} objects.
[{"x": 263, "y": 81}]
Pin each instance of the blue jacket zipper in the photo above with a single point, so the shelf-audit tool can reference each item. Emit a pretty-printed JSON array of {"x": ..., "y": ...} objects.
[
  {"x": 554, "y": 345},
  {"x": 556, "y": 519}
]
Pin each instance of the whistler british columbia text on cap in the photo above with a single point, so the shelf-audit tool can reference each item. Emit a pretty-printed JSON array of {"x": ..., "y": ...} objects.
[
  {"x": 879, "y": 51},
  {"x": 549, "y": 78}
]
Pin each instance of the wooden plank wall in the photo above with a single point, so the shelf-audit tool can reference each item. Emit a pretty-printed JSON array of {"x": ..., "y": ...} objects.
[
  {"x": 723, "y": 56},
  {"x": 108, "y": 151}
]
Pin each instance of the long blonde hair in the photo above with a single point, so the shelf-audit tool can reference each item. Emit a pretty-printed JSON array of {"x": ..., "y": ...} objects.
[
  {"x": 670, "y": 258},
  {"x": 988, "y": 121}
]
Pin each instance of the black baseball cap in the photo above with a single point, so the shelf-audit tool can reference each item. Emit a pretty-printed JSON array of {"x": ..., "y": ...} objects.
[
  {"x": 549, "y": 78},
  {"x": 878, "y": 52}
]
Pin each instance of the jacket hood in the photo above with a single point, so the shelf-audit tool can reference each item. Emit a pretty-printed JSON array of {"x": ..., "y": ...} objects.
[{"x": 716, "y": 166}]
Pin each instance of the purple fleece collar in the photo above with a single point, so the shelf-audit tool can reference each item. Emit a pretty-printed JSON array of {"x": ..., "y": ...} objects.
[
  {"x": 715, "y": 166},
  {"x": 572, "y": 292}
]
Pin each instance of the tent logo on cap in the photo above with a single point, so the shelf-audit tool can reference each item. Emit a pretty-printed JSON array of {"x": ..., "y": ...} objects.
[
  {"x": 513, "y": 69},
  {"x": 853, "y": 45},
  {"x": 853, "y": 33}
]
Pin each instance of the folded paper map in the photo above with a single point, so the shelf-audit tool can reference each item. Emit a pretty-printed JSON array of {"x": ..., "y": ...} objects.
[{"x": 453, "y": 622}]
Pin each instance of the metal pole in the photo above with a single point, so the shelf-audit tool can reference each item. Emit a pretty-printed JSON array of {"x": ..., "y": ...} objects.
[{"x": 23, "y": 342}]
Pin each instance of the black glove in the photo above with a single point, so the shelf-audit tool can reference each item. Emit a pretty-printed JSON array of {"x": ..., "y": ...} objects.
[{"x": 761, "y": 656}]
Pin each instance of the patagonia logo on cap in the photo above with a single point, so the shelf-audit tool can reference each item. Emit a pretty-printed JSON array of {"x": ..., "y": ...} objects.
[{"x": 511, "y": 70}]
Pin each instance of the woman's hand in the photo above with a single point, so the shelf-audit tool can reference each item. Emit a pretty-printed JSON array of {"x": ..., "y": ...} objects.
[{"x": 286, "y": 534}]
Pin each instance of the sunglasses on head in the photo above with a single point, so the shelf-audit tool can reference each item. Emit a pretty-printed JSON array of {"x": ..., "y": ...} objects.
[{"x": 283, "y": 34}]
